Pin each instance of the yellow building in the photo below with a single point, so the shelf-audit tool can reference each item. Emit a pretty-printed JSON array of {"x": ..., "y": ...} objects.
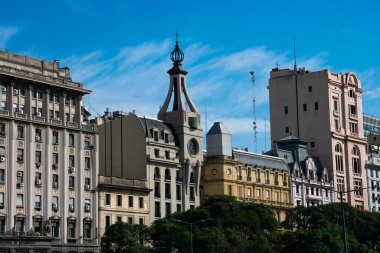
[{"x": 247, "y": 176}]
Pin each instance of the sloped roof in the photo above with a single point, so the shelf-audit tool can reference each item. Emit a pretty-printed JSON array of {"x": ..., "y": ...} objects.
[
  {"x": 218, "y": 128},
  {"x": 149, "y": 123},
  {"x": 260, "y": 160},
  {"x": 291, "y": 139}
]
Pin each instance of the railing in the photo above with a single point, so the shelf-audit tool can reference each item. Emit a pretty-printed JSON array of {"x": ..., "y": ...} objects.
[
  {"x": 168, "y": 177},
  {"x": 56, "y": 121},
  {"x": 38, "y": 118},
  {"x": 21, "y": 115},
  {"x": 72, "y": 124},
  {"x": 4, "y": 112}
]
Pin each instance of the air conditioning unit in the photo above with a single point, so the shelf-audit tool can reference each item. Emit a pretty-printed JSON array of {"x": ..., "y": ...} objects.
[
  {"x": 55, "y": 206},
  {"x": 71, "y": 207},
  {"x": 87, "y": 187},
  {"x": 15, "y": 91},
  {"x": 4, "y": 89},
  {"x": 38, "y": 138},
  {"x": 21, "y": 111},
  {"x": 55, "y": 184},
  {"x": 39, "y": 114},
  {"x": 20, "y": 158},
  {"x": 19, "y": 173},
  {"x": 72, "y": 169},
  {"x": 87, "y": 208},
  {"x": 91, "y": 146},
  {"x": 2, "y": 158},
  {"x": 20, "y": 184},
  {"x": 55, "y": 165},
  {"x": 38, "y": 181}
]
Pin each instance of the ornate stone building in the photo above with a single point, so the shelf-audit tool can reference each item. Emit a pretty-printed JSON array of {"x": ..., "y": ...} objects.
[
  {"x": 325, "y": 109},
  {"x": 247, "y": 176},
  {"x": 48, "y": 160},
  {"x": 311, "y": 185},
  {"x": 165, "y": 155}
]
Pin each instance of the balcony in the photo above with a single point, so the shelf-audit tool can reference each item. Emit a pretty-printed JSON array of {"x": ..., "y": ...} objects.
[
  {"x": 21, "y": 115},
  {"x": 353, "y": 116},
  {"x": 39, "y": 118},
  {"x": 239, "y": 177},
  {"x": 267, "y": 181},
  {"x": 249, "y": 178},
  {"x": 276, "y": 182},
  {"x": 157, "y": 194},
  {"x": 72, "y": 124},
  {"x": 168, "y": 177},
  {"x": 258, "y": 180},
  {"x": 4, "y": 112},
  {"x": 192, "y": 180},
  {"x": 56, "y": 121},
  {"x": 168, "y": 196},
  {"x": 157, "y": 176}
]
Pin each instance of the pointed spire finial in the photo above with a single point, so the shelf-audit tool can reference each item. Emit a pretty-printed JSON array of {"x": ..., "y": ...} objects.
[{"x": 177, "y": 55}]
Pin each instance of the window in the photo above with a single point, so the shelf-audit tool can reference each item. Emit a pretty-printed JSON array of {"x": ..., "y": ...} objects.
[
  {"x": 312, "y": 144},
  {"x": 179, "y": 207},
  {"x": 340, "y": 184},
  {"x": 2, "y": 175},
  {"x": 3, "y": 105},
  {"x": 286, "y": 110},
  {"x": 141, "y": 202},
  {"x": 167, "y": 208},
  {"x": 71, "y": 229},
  {"x": 20, "y": 178},
  {"x": 157, "y": 209},
  {"x": 71, "y": 182},
  {"x": 167, "y": 154},
  {"x": 71, "y": 140},
  {"x": 108, "y": 221},
  {"x": 20, "y": 155},
  {"x": 108, "y": 199},
  {"x": 86, "y": 229},
  {"x": 119, "y": 200},
  {"x": 141, "y": 221},
  {"x": 316, "y": 106},
  {"x": 87, "y": 205},
  {"x": 157, "y": 189},
  {"x": 310, "y": 88},
  {"x": 71, "y": 161},
  {"x": 20, "y": 200},
  {"x": 15, "y": 108},
  {"x": 258, "y": 193},
  {"x": 55, "y": 137},
  {"x": 156, "y": 153},
  {"x": 130, "y": 201},
  {"x": 353, "y": 128},
  {"x": 297, "y": 189},
  {"x": 37, "y": 201},
  {"x": 167, "y": 191},
  {"x": 37, "y": 177},
  {"x": 38, "y": 157},
  {"x": 54, "y": 202},
  {"x": 356, "y": 161},
  {"x": 87, "y": 183},
  {"x": 267, "y": 195},
  {"x": 38, "y": 134},
  {"x": 304, "y": 107},
  {"x": 2, "y": 199},
  {"x": 20, "y": 132},
  {"x": 352, "y": 109},
  {"x": 336, "y": 123},
  {"x": 192, "y": 193},
  {"x": 37, "y": 224},
  {"x": 178, "y": 192},
  {"x": 336, "y": 105},
  {"x": 286, "y": 129},
  {"x": 167, "y": 174},
  {"x": 130, "y": 220},
  {"x": 19, "y": 225},
  {"x": 55, "y": 228},
  {"x": 2, "y": 224},
  {"x": 155, "y": 134},
  {"x": 338, "y": 158},
  {"x": 55, "y": 180},
  {"x": 351, "y": 93},
  {"x": 71, "y": 203},
  {"x": 166, "y": 138},
  {"x": 229, "y": 190},
  {"x": 55, "y": 158},
  {"x": 87, "y": 142},
  {"x": 358, "y": 188},
  {"x": 87, "y": 163}
]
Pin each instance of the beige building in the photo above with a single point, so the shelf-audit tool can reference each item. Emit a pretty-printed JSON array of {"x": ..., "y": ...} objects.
[
  {"x": 325, "y": 109},
  {"x": 165, "y": 154},
  {"x": 48, "y": 159},
  {"x": 247, "y": 176}
]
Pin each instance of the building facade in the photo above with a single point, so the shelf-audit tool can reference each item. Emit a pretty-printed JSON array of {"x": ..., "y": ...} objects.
[
  {"x": 48, "y": 159},
  {"x": 247, "y": 176},
  {"x": 325, "y": 109},
  {"x": 373, "y": 174},
  {"x": 311, "y": 185},
  {"x": 165, "y": 153}
]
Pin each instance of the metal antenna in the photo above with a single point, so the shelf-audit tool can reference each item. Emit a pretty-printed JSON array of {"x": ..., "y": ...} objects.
[
  {"x": 295, "y": 56},
  {"x": 254, "y": 110}
]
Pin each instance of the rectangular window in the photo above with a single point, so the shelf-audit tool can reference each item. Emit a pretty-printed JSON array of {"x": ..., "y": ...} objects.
[
  {"x": 87, "y": 230},
  {"x": 87, "y": 205},
  {"x": 167, "y": 191},
  {"x": 55, "y": 229},
  {"x": 353, "y": 128},
  {"x": 38, "y": 134},
  {"x": 2, "y": 175},
  {"x": 71, "y": 182},
  {"x": 286, "y": 129},
  {"x": 71, "y": 203},
  {"x": 87, "y": 163},
  {"x": 304, "y": 107},
  {"x": 141, "y": 202},
  {"x": 156, "y": 153},
  {"x": 167, "y": 154},
  {"x": 87, "y": 142},
  {"x": 310, "y": 88},
  {"x": 55, "y": 180},
  {"x": 178, "y": 192},
  {"x": 2, "y": 199},
  {"x": 192, "y": 193},
  {"x": 108, "y": 199},
  {"x": 119, "y": 200},
  {"x": 20, "y": 178},
  {"x": 20, "y": 132},
  {"x": 316, "y": 106},
  {"x": 358, "y": 188},
  {"x": 179, "y": 209},
  {"x": 130, "y": 201},
  {"x": 157, "y": 189},
  {"x": 54, "y": 202},
  {"x": 130, "y": 220},
  {"x": 87, "y": 184},
  {"x": 20, "y": 200},
  {"x": 108, "y": 221},
  {"x": 3, "y": 105},
  {"x": 55, "y": 158},
  {"x": 55, "y": 137},
  {"x": 167, "y": 208},
  {"x": 336, "y": 123},
  {"x": 71, "y": 161},
  {"x": 336, "y": 105},
  {"x": 157, "y": 209},
  {"x": 141, "y": 221},
  {"x": 352, "y": 109},
  {"x": 20, "y": 155},
  {"x": 37, "y": 177},
  {"x": 71, "y": 140},
  {"x": 38, "y": 157},
  {"x": 37, "y": 201},
  {"x": 119, "y": 219},
  {"x": 340, "y": 184},
  {"x": 286, "y": 110}
]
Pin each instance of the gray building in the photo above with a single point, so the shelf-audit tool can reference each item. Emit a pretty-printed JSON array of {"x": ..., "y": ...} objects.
[
  {"x": 311, "y": 185},
  {"x": 165, "y": 153},
  {"x": 48, "y": 159}
]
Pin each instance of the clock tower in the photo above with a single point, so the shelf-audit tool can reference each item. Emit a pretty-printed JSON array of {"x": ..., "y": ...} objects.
[{"x": 180, "y": 112}]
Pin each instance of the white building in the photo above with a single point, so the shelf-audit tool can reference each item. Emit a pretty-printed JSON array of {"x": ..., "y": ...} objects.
[{"x": 373, "y": 175}]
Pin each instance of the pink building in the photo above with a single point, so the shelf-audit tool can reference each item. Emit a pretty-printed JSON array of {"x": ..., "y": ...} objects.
[{"x": 325, "y": 109}]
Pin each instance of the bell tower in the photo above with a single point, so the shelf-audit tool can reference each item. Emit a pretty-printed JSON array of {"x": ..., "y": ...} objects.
[{"x": 180, "y": 112}]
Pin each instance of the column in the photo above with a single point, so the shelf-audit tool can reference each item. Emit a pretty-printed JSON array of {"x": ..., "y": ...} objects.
[
  {"x": 28, "y": 102},
  {"x": 10, "y": 98},
  {"x": 45, "y": 105}
]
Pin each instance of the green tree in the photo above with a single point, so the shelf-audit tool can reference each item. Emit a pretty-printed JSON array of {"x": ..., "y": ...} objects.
[{"x": 125, "y": 238}]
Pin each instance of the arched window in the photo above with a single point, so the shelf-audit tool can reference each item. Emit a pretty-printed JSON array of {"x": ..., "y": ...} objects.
[
  {"x": 167, "y": 174},
  {"x": 338, "y": 158},
  {"x": 351, "y": 93},
  {"x": 156, "y": 172},
  {"x": 356, "y": 160}
]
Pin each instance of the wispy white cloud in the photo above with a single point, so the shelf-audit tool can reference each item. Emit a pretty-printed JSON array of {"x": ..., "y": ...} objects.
[{"x": 6, "y": 33}]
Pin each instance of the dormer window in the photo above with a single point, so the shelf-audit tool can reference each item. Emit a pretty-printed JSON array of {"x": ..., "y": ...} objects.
[
  {"x": 351, "y": 93},
  {"x": 155, "y": 135}
]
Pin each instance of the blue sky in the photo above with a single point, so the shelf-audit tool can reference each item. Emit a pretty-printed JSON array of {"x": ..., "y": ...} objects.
[{"x": 120, "y": 50}]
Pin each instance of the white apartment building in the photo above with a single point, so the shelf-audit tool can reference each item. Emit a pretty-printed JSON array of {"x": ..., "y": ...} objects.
[{"x": 48, "y": 160}]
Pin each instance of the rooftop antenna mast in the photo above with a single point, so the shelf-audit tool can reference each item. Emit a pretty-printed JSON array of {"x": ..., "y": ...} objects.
[
  {"x": 265, "y": 133},
  {"x": 254, "y": 110}
]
